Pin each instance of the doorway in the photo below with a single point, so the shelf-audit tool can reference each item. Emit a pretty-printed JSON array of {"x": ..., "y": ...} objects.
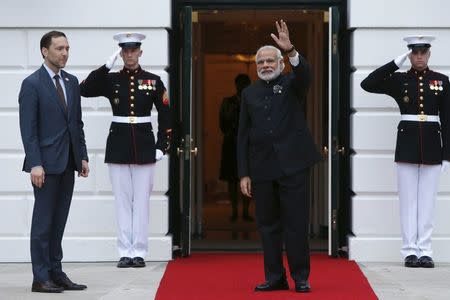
[{"x": 223, "y": 46}]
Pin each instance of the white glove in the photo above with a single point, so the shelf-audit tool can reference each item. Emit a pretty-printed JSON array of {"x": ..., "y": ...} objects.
[
  {"x": 401, "y": 59},
  {"x": 112, "y": 59},
  {"x": 445, "y": 165},
  {"x": 159, "y": 155}
]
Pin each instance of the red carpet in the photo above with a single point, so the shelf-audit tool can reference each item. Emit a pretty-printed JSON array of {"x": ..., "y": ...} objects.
[{"x": 232, "y": 276}]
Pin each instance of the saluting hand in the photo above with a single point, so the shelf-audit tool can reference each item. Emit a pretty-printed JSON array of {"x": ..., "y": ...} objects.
[
  {"x": 112, "y": 59},
  {"x": 282, "y": 40}
]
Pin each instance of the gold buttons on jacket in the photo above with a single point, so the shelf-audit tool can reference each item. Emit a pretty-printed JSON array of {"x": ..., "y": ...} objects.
[
  {"x": 132, "y": 112},
  {"x": 420, "y": 77},
  {"x": 132, "y": 97},
  {"x": 131, "y": 77},
  {"x": 421, "y": 97},
  {"x": 421, "y": 105},
  {"x": 132, "y": 104}
]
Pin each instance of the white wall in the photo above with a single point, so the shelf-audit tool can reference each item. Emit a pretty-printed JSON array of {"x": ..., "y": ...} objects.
[
  {"x": 89, "y": 25},
  {"x": 377, "y": 38}
]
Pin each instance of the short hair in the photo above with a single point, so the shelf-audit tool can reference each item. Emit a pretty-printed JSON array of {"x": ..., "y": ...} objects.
[
  {"x": 269, "y": 47},
  {"x": 46, "y": 39}
]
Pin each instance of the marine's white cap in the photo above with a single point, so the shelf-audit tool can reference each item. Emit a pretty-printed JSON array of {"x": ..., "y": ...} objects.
[
  {"x": 418, "y": 41},
  {"x": 129, "y": 39}
]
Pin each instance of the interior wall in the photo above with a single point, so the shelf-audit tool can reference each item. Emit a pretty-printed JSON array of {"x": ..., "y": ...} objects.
[{"x": 219, "y": 73}]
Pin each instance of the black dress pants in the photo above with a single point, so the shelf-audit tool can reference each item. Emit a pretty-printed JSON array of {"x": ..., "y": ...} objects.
[{"x": 282, "y": 214}]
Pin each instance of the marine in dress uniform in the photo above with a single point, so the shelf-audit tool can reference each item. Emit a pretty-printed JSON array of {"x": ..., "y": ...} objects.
[
  {"x": 422, "y": 149},
  {"x": 131, "y": 149},
  {"x": 275, "y": 152}
]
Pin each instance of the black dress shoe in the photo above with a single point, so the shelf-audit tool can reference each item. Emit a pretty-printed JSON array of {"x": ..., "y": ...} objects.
[
  {"x": 125, "y": 262},
  {"x": 67, "y": 284},
  {"x": 268, "y": 286},
  {"x": 302, "y": 286},
  {"x": 411, "y": 261},
  {"x": 46, "y": 287},
  {"x": 138, "y": 262},
  {"x": 426, "y": 262}
]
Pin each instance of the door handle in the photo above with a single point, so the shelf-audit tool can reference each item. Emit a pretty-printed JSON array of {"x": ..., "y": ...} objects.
[
  {"x": 179, "y": 151},
  {"x": 194, "y": 151},
  {"x": 340, "y": 150}
]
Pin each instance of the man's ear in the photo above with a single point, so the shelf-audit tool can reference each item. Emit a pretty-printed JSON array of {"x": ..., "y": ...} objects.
[
  {"x": 44, "y": 52},
  {"x": 282, "y": 65}
]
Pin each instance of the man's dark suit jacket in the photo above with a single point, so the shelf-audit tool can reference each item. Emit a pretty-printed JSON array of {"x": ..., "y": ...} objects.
[
  {"x": 273, "y": 138},
  {"x": 47, "y": 130}
]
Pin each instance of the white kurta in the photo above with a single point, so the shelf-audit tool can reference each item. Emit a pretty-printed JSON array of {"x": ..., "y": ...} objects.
[
  {"x": 417, "y": 189},
  {"x": 132, "y": 186}
]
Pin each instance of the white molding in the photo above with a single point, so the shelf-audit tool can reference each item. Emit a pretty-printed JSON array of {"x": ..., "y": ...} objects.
[
  {"x": 387, "y": 249},
  {"x": 82, "y": 249}
]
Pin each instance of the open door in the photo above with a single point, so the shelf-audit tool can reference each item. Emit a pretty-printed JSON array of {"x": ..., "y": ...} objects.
[
  {"x": 186, "y": 150},
  {"x": 336, "y": 150}
]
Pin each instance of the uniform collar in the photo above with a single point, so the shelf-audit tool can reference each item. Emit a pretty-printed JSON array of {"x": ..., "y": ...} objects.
[
  {"x": 419, "y": 73},
  {"x": 131, "y": 72}
]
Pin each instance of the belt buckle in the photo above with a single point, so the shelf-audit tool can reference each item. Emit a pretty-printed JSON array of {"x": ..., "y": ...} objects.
[
  {"x": 133, "y": 120},
  {"x": 422, "y": 118}
]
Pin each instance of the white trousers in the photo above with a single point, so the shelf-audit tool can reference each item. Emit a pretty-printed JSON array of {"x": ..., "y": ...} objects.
[
  {"x": 417, "y": 189},
  {"x": 132, "y": 186}
]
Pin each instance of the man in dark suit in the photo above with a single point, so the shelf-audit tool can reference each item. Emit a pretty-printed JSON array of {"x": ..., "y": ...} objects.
[
  {"x": 229, "y": 123},
  {"x": 275, "y": 152},
  {"x": 54, "y": 144},
  {"x": 423, "y": 142}
]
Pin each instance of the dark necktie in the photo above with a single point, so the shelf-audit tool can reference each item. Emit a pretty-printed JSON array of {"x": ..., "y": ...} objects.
[{"x": 60, "y": 91}]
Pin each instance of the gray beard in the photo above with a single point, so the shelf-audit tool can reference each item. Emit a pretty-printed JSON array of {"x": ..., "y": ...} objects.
[{"x": 270, "y": 76}]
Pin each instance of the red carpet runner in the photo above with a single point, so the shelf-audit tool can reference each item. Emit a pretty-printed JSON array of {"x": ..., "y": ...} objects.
[{"x": 230, "y": 276}]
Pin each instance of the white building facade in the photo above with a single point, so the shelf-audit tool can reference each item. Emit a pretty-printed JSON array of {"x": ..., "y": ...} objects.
[
  {"x": 89, "y": 25},
  {"x": 377, "y": 31},
  {"x": 377, "y": 28}
]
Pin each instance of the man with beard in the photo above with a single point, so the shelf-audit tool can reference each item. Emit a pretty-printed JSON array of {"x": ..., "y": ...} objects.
[
  {"x": 54, "y": 144},
  {"x": 423, "y": 137},
  {"x": 275, "y": 152}
]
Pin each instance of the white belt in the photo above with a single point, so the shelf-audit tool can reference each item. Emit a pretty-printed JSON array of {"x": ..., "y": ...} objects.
[
  {"x": 131, "y": 119},
  {"x": 421, "y": 118}
]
